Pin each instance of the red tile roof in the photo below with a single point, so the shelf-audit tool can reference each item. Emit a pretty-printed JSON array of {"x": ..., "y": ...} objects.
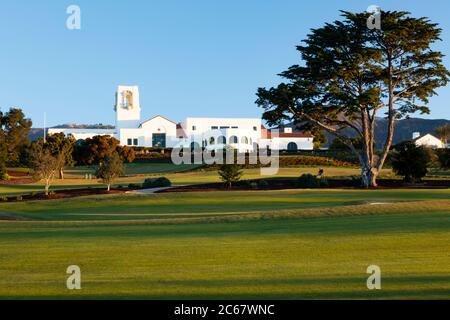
[{"x": 290, "y": 135}]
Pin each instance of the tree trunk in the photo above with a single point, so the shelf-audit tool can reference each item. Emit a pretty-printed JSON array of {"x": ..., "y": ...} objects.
[
  {"x": 47, "y": 187},
  {"x": 109, "y": 187},
  {"x": 61, "y": 173},
  {"x": 368, "y": 176}
]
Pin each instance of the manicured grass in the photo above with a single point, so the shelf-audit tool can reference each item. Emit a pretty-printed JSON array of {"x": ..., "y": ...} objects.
[
  {"x": 273, "y": 244},
  {"x": 75, "y": 177}
]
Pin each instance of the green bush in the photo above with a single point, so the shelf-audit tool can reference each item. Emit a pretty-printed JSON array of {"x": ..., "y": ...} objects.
[
  {"x": 157, "y": 182},
  {"x": 134, "y": 185},
  {"x": 308, "y": 180},
  {"x": 19, "y": 198},
  {"x": 3, "y": 199},
  {"x": 410, "y": 161},
  {"x": 444, "y": 158},
  {"x": 263, "y": 183}
]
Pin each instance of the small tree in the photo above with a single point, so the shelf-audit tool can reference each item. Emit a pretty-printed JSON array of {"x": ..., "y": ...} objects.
[
  {"x": 61, "y": 146},
  {"x": 109, "y": 169},
  {"x": 230, "y": 173},
  {"x": 45, "y": 165},
  {"x": 444, "y": 158},
  {"x": 319, "y": 139},
  {"x": 3, "y": 156},
  {"x": 443, "y": 133},
  {"x": 410, "y": 161},
  {"x": 16, "y": 128},
  {"x": 126, "y": 153}
]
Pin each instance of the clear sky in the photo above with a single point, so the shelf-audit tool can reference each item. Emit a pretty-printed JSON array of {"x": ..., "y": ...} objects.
[{"x": 189, "y": 58}]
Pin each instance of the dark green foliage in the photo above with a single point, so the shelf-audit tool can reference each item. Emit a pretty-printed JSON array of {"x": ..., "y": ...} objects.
[
  {"x": 15, "y": 129},
  {"x": 410, "y": 161},
  {"x": 444, "y": 158},
  {"x": 156, "y": 182},
  {"x": 308, "y": 180},
  {"x": 134, "y": 185},
  {"x": 110, "y": 169},
  {"x": 319, "y": 138},
  {"x": 3, "y": 157},
  {"x": 44, "y": 164},
  {"x": 443, "y": 133},
  {"x": 349, "y": 75},
  {"x": 59, "y": 146},
  {"x": 93, "y": 150},
  {"x": 230, "y": 173}
]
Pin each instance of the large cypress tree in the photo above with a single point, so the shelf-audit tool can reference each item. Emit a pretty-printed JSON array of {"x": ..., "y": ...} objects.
[{"x": 350, "y": 75}]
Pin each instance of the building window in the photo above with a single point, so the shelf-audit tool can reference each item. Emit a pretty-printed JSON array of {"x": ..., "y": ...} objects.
[
  {"x": 224, "y": 127},
  {"x": 221, "y": 140},
  {"x": 211, "y": 140},
  {"x": 129, "y": 142},
  {"x": 159, "y": 140},
  {"x": 234, "y": 139},
  {"x": 135, "y": 142},
  {"x": 234, "y": 127},
  {"x": 214, "y": 128},
  {"x": 255, "y": 128},
  {"x": 244, "y": 140},
  {"x": 194, "y": 128},
  {"x": 292, "y": 146}
]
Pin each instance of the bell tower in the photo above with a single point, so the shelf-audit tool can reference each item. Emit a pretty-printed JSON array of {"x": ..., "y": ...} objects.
[{"x": 127, "y": 107}]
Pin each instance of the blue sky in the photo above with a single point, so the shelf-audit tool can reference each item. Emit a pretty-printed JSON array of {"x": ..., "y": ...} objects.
[{"x": 189, "y": 58}]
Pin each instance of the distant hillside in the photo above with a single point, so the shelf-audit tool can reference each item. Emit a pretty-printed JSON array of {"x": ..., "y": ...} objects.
[
  {"x": 403, "y": 129},
  {"x": 36, "y": 133}
]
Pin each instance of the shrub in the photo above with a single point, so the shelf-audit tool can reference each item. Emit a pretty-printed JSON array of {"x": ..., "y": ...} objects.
[
  {"x": 263, "y": 183},
  {"x": 134, "y": 185},
  {"x": 307, "y": 180},
  {"x": 19, "y": 198},
  {"x": 157, "y": 182},
  {"x": 410, "y": 161},
  {"x": 3, "y": 199},
  {"x": 444, "y": 158},
  {"x": 230, "y": 173}
]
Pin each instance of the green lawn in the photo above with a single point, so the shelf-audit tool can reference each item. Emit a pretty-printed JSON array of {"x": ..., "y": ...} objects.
[
  {"x": 177, "y": 174},
  {"x": 273, "y": 244}
]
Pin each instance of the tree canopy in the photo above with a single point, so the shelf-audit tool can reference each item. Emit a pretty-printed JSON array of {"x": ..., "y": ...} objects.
[
  {"x": 350, "y": 75},
  {"x": 15, "y": 129}
]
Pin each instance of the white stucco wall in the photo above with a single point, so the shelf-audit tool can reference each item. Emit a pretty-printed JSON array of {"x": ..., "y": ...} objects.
[
  {"x": 429, "y": 140},
  {"x": 83, "y": 133},
  {"x": 282, "y": 143}
]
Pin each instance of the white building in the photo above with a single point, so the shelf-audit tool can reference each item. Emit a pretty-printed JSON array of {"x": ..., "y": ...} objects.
[
  {"x": 428, "y": 140},
  {"x": 244, "y": 134}
]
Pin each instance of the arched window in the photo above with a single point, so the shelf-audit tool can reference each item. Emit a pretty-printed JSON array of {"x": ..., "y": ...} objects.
[
  {"x": 244, "y": 140},
  {"x": 255, "y": 147},
  {"x": 221, "y": 140},
  {"x": 292, "y": 146},
  {"x": 251, "y": 141},
  {"x": 234, "y": 139},
  {"x": 211, "y": 140}
]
